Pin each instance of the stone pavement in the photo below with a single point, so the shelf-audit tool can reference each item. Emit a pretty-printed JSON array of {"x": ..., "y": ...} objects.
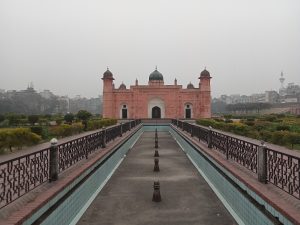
[{"x": 127, "y": 197}]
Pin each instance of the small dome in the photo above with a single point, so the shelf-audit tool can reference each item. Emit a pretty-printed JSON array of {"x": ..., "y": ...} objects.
[
  {"x": 190, "y": 86},
  {"x": 205, "y": 73},
  {"x": 107, "y": 74},
  {"x": 156, "y": 75},
  {"x": 122, "y": 86}
]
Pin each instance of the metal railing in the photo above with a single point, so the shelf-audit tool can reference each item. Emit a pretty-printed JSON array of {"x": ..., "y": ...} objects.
[
  {"x": 282, "y": 169},
  {"x": 20, "y": 175}
]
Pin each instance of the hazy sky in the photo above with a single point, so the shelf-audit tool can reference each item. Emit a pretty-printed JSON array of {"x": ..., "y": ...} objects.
[{"x": 66, "y": 45}]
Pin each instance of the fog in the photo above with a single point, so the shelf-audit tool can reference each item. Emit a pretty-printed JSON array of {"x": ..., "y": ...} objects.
[{"x": 66, "y": 45}]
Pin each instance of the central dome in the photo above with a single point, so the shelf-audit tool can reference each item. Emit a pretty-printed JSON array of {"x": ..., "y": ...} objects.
[{"x": 156, "y": 75}]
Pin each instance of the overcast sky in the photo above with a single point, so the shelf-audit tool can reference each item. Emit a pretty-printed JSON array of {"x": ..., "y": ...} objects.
[{"x": 66, "y": 45}]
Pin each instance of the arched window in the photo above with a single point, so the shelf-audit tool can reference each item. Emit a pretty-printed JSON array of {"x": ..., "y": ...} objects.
[{"x": 188, "y": 111}]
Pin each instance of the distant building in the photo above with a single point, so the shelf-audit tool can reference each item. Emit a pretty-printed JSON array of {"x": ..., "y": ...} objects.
[
  {"x": 93, "y": 105},
  {"x": 157, "y": 100},
  {"x": 271, "y": 97},
  {"x": 46, "y": 94}
]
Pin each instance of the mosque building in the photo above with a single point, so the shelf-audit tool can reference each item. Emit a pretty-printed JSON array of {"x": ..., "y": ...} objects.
[{"x": 156, "y": 100}]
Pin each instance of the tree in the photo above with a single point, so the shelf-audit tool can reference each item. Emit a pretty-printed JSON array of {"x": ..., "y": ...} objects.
[
  {"x": 2, "y": 118},
  {"x": 32, "y": 119},
  {"x": 69, "y": 117},
  {"x": 84, "y": 116},
  {"x": 13, "y": 119}
]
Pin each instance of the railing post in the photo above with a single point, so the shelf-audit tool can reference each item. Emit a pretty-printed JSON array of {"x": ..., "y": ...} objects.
[
  {"x": 53, "y": 170},
  {"x": 104, "y": 138},
  {"x": 209, "y": 138},
  {"x": 121, "y": 129},
  {"x": 227, "y": 147},
  {"x": 87, "y": 149},
  {"x": 156, "y": 139},
  {"x": 262, "y": 163},
  {"x": 129, "y": 125},
  {"x": 192, "y": 132}
]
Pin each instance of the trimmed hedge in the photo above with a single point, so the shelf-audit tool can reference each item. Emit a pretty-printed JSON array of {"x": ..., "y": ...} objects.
[
  {"x": 280, "y": 134},
  {"x": 17, "y": 137},
  {"x": 98, "y": 124},
  {"x": 65, "y": 130}
]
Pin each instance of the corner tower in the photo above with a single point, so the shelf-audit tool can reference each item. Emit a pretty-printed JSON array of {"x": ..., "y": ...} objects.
[
  {"x": 205, "y": 93},
  {"x": 107, "y": 94}
]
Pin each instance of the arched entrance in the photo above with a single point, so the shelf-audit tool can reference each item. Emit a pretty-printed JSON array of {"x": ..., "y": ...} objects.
[
  {"x": 156, "y": 108},
  {"x": 156, "y": 113},
  {"x": 124, "y": 112},
  {"x": 188, "y": 111}
]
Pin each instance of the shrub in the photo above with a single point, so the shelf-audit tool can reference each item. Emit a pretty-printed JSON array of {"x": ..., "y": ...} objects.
[
  {"x": 207, "y": 123},
  {"x": 77, "y": 128},
  {"x": 65, "y": 130},
  {"x": 40, "y": 130},
  {"x": 37, "y": 130},
  {"x": 218, "y": 120},
  {"x": 280, "y": 137},
  {"x": 281, "y": 115},
  {"x": 59, "y": 121},
  {"x": 228, "y": 117},
  {"x": 32, "y": 119},
  {"x": 97, "y": 124},
  {"x": 254, "y": 134},
  {"x": 292, "y": 138},
  {"x": 17, "y": 137},
  {"x": 265, "y": 135},
  {"x": 269, "y": 118},
  {"x": 262, "y": 125},
  {"x": 283, "y": 127},
  {"x": 238, "y": 128},
  {"x": 249, "y": 123}
]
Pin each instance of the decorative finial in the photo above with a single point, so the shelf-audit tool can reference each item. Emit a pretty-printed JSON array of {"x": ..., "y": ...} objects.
[
  {"x": 107, "y": 68},
  {"x": 155, "y": 67},
  {"x": 205, "y": 67}
]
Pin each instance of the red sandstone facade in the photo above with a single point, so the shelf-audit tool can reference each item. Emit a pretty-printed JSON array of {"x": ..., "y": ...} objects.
[{"x": 156, "y": 100}]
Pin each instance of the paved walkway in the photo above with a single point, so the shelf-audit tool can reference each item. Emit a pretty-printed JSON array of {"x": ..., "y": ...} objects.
[{"x": 127, "y": 197}]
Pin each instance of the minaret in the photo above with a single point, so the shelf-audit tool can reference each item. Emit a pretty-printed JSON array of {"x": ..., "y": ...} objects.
[
  {"x": 205, "y": 93},
  {"x": 282, "y": 79},
  {"x": 108, "y": 87}
]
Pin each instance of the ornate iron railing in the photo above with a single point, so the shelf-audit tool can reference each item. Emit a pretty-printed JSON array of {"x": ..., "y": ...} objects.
[
  {"x": 75, "y": 150},
  {"x": 283, "y": 170},
  {"x": 20, "y": 175}
]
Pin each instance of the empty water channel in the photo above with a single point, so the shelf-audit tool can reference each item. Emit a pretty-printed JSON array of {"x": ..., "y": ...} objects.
[{"x": 194, "y": 189}]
